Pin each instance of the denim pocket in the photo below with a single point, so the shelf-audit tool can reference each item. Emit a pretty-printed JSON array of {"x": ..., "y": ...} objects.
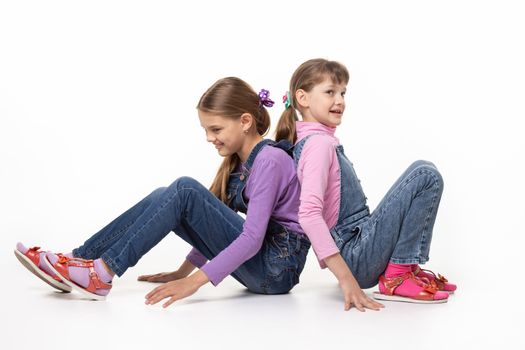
[
  {"x": 285, "y": 255},
  {"x": 279, "y": 253},
  {"x": 345, "y": 233},
  {"x": 350, "y": 234}
]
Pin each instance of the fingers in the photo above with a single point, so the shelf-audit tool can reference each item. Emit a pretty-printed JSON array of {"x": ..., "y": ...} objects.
[
  {"x": 156, "y": 278},
  {"x": 143, "y": 277},
  {"x": 371, "y": 304},
  {"x": 362, "y": 303},
  {"x": 148, "y": 278},
  {"x": 155, "y": 296},
  {"x": 359, "y": 306},
  {"x": 169, "y": 302},
  {"x": 154, "y": 292},
  {"x": 374, "y": 305}
]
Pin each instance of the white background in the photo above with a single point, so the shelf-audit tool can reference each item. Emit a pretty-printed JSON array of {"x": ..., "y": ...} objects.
[{"x": 97, "y": 108}]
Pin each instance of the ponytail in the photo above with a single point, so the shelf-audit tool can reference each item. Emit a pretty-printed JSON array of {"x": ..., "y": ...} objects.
[
  {"x": 286, "y": 126},
  {"x": 219, "y": 187}
]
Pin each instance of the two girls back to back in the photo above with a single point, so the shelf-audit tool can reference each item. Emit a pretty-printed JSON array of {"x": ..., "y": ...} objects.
[{"x": 324, "y": 204}]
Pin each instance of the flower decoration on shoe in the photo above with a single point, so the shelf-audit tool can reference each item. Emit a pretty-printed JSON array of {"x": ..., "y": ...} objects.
[
  {"x": 408, "y": 288},
  {"x": 439, "y": 281},
  {"x": 33, "y": 259}
]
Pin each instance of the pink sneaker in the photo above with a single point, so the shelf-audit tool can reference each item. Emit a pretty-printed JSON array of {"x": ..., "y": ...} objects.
[
  {"x": 33, "y": 259},
  {"x": 409, "y": 288}
]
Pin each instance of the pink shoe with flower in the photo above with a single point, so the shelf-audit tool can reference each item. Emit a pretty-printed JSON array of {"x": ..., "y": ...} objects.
[
  {"x": 408, "y": 288},
  {"x": 439, "y": 281}
]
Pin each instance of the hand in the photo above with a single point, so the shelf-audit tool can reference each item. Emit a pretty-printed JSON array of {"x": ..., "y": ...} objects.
[
  {"x": 177, "y": 290},
  {"x": 184, "y": 270},
  {"x": 162, "y": 277},
  {"x": 355, "y": 296}
]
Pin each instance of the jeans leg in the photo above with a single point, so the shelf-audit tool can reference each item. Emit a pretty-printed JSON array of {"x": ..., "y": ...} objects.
[
  {"x": 190, "y": 210},
  {"x": 400, "y": 229},
  {"x": 96, "y": 245}
]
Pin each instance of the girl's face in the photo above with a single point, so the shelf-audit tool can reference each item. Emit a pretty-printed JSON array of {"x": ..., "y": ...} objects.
[
  {"x": 325, "y": 103},
  {"x": 226, "y": 134}
]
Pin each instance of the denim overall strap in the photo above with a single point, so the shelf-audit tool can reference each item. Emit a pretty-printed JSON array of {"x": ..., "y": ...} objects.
[
  {"x": 298, "y": 149},
  {"x": 352, "y": 202},
  {"x": 237, "y": 183}
]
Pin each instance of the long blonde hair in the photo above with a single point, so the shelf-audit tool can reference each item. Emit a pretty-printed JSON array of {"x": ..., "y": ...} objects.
[
  {"x": 230, "y": 98},
  {"x": 305, "y": 77}
]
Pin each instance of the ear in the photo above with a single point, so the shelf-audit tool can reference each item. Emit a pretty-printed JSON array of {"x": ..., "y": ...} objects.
[
  {"x": 246, "y": 122},
  {"x": 302, "y": 98}
]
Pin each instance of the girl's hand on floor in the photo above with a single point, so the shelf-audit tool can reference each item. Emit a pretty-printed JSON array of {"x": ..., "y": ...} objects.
[
  {"x": 162, "y": 277},
  {"x": 183, "y": 271},
  {"x": 177, "y": 290},
  {"x": 354, "y": 296}
]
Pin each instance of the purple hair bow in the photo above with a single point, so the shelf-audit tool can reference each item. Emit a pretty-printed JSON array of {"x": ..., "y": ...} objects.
[{"x": 264, "y": 97}]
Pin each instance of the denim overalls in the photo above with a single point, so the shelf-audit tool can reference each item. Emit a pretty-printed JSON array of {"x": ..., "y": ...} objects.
[
  {"x": 191, "y": 211},
  {"x": 400, "y": 228}
]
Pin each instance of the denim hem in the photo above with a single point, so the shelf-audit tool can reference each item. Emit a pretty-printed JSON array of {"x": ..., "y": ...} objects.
[
  {"x": 76, "y": 253},
  {"x": 112, "y": 264},
  {"x": 408, "y": 261}
]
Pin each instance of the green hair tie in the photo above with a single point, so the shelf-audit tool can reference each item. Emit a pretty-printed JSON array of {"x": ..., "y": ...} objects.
[{"x": 287, "y": 100}]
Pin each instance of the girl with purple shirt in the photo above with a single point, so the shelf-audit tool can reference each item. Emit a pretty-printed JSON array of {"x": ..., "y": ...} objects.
[
  {"x": 360, "y": 248},
  {"x": 265, "y": 252}
]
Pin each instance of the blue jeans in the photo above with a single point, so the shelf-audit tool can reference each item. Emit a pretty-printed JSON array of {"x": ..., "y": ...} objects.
[
  {"x": 201, "y": 219},
  {"x": 398, "y": 231},
  {"x": 400, "y": 228}
]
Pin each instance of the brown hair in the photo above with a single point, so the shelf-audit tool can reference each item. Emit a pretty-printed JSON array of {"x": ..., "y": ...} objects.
[
  {"x": 231, "y": 97},
  {"x": 309, "y": 74}
]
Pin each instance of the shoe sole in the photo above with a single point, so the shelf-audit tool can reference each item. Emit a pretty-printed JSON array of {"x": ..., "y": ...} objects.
[
  {"x": 73, "y": 285},
  {"x": 380, "y": 296},
  {"x": 35, "y": 270}
]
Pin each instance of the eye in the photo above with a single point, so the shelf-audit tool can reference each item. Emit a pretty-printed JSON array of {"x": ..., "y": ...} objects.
[
  {"x": 215, "y": 130},
  {"x": 330, "y": 92},
  {"x": 343, "y": 93}
]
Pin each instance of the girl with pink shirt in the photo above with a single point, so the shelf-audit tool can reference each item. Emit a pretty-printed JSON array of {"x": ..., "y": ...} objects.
[{"x": 360, "y": 248}]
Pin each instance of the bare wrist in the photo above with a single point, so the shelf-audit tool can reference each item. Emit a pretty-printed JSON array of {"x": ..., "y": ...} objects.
[{"x": 199, "y": 278}]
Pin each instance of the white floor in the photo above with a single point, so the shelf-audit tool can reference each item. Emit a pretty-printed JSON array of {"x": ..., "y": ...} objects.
[
  {"x": 34, "y": 316},
  {"x": 97, "y": 109}
]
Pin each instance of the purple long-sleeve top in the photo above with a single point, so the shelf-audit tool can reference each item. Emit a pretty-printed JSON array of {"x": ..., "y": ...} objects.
[{"x": 272, "y": 191}]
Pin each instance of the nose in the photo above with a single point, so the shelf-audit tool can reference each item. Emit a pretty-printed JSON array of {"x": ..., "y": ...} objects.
[
  {"x": 339, "y": 99},
  {"x": 210, "y": 137}
]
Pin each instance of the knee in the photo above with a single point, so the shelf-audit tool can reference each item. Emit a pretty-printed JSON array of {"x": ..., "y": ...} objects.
[
  {"x": 430, "y": 169},
  {"x": 157, "y": 192},
  {"x": 423, "y": 163},
  {"x": 367, "y": 283},
  {"x": 185, "y": 182}
]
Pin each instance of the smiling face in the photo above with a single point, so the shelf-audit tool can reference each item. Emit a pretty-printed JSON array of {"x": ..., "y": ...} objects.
[
  {"x": 226, "y": 134},
  {"x": 324, "y": 103}
]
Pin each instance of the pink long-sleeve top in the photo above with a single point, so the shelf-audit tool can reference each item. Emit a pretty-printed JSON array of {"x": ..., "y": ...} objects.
[{"x": 318, "y": 174}]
